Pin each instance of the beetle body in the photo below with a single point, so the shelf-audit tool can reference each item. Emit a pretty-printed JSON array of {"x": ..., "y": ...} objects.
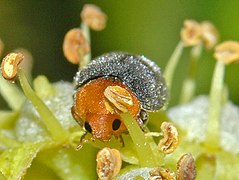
[{"x": 140, "y": 77}]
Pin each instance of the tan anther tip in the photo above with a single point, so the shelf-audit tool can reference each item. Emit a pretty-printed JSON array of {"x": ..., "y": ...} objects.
[
  {"x": 108, "y": 163},
  {"x": 170, "y": 138},
  {"x": 94, "y": 17},
  {"x": 10, "y": 64},
  {"x": 75, "y": 46},
  {"x": 210, "y": 34},
  {"x": 191, "y": 33},
  {"x": 227, "y": 51},
  {"x": 186, "y": 168},
  {"x": 118, "y": 99}
]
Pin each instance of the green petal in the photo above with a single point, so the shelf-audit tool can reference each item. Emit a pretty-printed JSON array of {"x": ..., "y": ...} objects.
[
  {"x": 7, "y": 140},
  {"x": 227, "y": 166},
  {"x": 7, "y": 119},
  {"x": 14, "y": 162},
  {"x": 40, "y": 171},
  {"x": 205, "y": 165},
  {"x": 71, "y": 164},
  {"x": 128, "y": 151}
]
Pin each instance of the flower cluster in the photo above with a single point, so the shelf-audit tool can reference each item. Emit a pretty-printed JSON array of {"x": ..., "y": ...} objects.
[{"x": 39, "y": 131}]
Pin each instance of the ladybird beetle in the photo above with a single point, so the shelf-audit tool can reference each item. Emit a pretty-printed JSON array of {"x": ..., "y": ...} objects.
[{"x": 139, "y": 76}]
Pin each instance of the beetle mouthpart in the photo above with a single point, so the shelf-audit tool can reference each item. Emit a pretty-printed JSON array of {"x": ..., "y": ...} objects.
[{"x": 118, "y": 99}]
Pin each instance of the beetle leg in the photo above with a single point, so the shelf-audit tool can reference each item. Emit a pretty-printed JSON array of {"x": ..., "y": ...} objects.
[{"x": 83, "y": 140}]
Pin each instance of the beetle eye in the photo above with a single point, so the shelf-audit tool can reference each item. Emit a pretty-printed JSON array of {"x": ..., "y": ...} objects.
[
  {"x": 116, "y": 124},
  {"x": 88, "y": 127}
]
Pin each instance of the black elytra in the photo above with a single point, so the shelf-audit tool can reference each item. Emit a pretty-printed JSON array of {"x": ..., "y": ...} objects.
[{"x": 140, "y": 74}]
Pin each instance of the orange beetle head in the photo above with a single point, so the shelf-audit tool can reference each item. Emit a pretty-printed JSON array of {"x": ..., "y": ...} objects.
[
  {"x": 103, "y": 126},
  {"x": 90, "y": 111}
]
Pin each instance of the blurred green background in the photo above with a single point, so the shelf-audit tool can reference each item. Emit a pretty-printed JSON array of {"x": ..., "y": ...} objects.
[{"x": 138, "y": 26}]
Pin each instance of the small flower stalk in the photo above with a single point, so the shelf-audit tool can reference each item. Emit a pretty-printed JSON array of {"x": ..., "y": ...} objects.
[
  {"x": 10, "y": 70},
  {"x": 76, "y": 45},
  {"x": 189, "y": 84},
  {"x": 195, "y": 35},
  {"x": 43, "y": 120},
  {"x": 225, "y": 53}
]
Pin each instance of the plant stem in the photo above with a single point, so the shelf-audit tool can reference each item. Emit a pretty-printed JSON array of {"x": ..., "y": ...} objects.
[
  {"x": 11, "y": 94},
  {"x": 215, "y": 104},
  {"x": 144, "y": 152},
  {"x": 172, "y": 64},
  {"x": 52, "y": 124},
  {"x": 86, "y": 31},
  {"x": 189, "y": 84}
]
